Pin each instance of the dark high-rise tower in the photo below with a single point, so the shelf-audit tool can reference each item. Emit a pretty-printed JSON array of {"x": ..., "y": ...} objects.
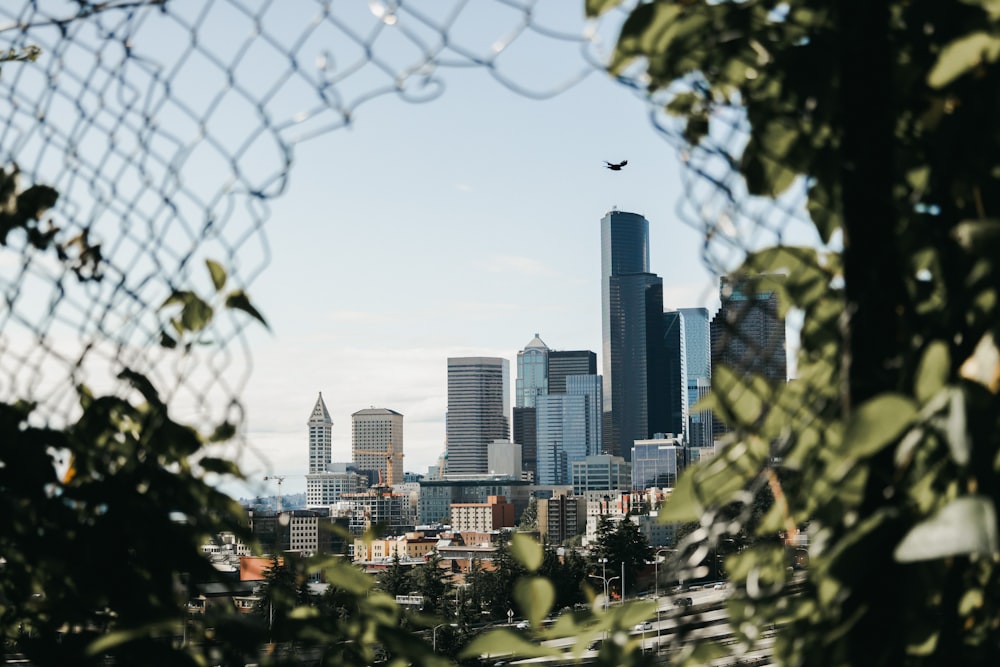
[
  {"x": 634, "y": 356},
  {"x": 674, "y": 340},
  {"x": 748, "y": 335},
  {"x": 563, "y": 363}
]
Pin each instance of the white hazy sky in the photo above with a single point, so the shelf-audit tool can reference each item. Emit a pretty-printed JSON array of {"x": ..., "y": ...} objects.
[{"x": 457, "y": 227}]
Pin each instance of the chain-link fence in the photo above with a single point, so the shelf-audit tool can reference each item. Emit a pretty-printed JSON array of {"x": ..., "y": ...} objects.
[{"x": 167, "y": 128}]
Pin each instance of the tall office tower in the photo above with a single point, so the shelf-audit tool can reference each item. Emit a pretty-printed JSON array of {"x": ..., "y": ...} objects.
[
  {"x": 634, "y": 357},
  {"x": 569, "y": 428},
  {"x": 563, "y": 363},
  {"x": 478, "y": 409},
  {"x": 326, "y": 481},
  {"x": 523, "y": 433},
  {"x": 532, "y": 379},
  {"x": 698, "y": 346},
  {"x": 320, "y": 437},
  {"x": 377, "y": 443},
  {"x": 748, "y": 336},
  {"x": 676, "y": 362},
  {"x": 532, "y": 373}
]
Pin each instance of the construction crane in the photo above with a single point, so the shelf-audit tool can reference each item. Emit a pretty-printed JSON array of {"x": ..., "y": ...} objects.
[
  {"x": 389, "y": 453},
  {"x": 280, "y": 479}
]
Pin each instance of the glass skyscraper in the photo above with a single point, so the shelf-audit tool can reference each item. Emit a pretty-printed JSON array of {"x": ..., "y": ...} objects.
[
  {"x": 698, "y": 347},
  {"x": 657, "y": 463},
  {"x": 748, "y": 335},
  {"x": 674, "y": 340},
  {"x": 478, "y": 409},
  {"x": 634, "y": 355},
  {"x": 568, "y": 428}
]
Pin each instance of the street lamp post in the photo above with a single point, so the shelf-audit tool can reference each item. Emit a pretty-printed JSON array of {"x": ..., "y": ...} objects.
[
  {"x": 605, "y": 580},
  {"x": 656, "y": 571}
]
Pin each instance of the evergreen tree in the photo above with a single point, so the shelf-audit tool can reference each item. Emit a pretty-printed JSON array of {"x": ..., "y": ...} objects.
[
  {"x": 621, "y": 544},
  {"x": 430, "y": 580},
  {"x": 395, "y": 580}
]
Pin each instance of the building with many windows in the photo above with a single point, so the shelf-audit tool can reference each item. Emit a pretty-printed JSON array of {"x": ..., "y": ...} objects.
[
  {"x": 320, "y": 437},
  {"x": 324, "y": 489},
  {"x": 437, "y": 496},
  {"x": 698, "y": 367},
  {"x": 657, "y": 463},
  {"x": 601, "y": 472},
  {"x": 748, "y": 334},
  {"x": 634, "y": 356},
  {"x": 675, "y": 364},
  {"x": 326, "y": 481},
  {"x": 568, "y": 428},
  {"x": 561, "y": 517},
  {"x": 478, "y": 411},
  {"x": 377, "y": 444},
  {"x": 494, "y": 514}
]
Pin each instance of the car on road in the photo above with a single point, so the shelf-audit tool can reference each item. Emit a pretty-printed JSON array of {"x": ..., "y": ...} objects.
[
  {"x": 639, "y": 627},
  {"x": 683, "y": 602},
  {"x": 523, "y": 625}
]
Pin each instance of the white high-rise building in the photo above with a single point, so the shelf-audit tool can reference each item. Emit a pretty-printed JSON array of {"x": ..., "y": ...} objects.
[
  {"x": 320, "y": 437},
  {"x": 377, "y": 443},
  {"x": 326, "y": 481}
]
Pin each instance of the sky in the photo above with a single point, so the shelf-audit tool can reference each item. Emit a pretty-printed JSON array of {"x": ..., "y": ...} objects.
[
  {"x": 460, "y": 217},
  {"x": 461, "y": 226}
]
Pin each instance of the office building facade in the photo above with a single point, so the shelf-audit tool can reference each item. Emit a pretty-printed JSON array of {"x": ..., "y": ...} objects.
[
  {"x": 675, "y": 362},
  {"x": 377, "y": 444},
  {"x": 748, "y": 334},
  {"x": 634, "y": 357},
  {"x": 601, "y": 472},
  {"x": 698, "y": 355},
  {"x": 656, "y": 463},
  {"x": 569, "y": 428},
  {"x": 478, "y": 411}
]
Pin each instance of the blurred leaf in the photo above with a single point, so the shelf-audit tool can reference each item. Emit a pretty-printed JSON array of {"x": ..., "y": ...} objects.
[
  {"x": 503, "y": 643},
  {"x": 223, "y": 432},
  {"x": 534, "y": 596},
  {"x": 705, "y": 653},
  {"x": 983, "y": 366},
  {"x": 218, "y": 274},
  {"x": 932, "y": 373},
  {"x": 595, "y": 8},
  {"x": 238, "y": 300},
  {"x": 956, "y": 428},
  {"x": 111, "y": 640},
  {"x": 219, "y": 466},
  {"x": 166, "y": 341},
  {"x": 527, "y": 551},
  {"x": 683, "y": 505},
  {"x": 965, "y": 526},
  {"x": 876, "y": 423},
  {"x": 961, "y": 55},
  {"x": 980, "y": 237}
]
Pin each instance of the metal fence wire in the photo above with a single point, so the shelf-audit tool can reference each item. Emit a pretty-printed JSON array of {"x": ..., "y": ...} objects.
[{"x": 167, "y": 126}]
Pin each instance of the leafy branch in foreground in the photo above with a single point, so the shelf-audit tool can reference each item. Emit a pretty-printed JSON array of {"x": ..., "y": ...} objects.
[{"x": 885, "y": 114}]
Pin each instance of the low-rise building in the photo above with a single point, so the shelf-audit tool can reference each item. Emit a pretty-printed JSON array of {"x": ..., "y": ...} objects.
[{"x": 494, "y": 514}]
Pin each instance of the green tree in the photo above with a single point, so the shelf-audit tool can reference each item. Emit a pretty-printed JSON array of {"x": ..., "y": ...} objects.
[
  {"x": 622, "y": 548},
  {"x": 884, "y": 111},
  {"x": 529, "y": 517},
  {"x": 499, "y": 582},
  {"x": 431, "y": 580},
  {"x": 395, "y": 580}
]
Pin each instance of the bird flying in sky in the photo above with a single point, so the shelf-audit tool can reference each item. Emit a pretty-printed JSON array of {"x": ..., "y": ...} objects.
[{"x": 615, "y": 166}]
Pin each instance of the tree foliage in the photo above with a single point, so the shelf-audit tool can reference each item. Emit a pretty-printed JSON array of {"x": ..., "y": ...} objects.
[{"x": 885, "y": 113}]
